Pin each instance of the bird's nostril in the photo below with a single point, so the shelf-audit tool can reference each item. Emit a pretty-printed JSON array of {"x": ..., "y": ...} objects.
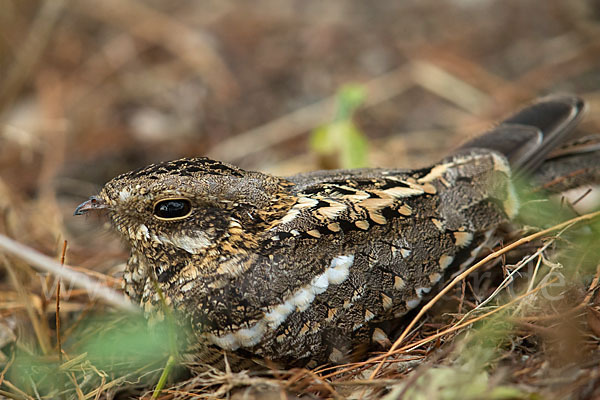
[{"x": 93, "y": 203}]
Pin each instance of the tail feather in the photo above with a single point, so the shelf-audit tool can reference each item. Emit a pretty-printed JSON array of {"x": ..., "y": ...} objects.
[{"x": 528, "y": 136}]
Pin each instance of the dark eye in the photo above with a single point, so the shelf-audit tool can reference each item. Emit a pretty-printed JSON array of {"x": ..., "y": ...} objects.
[{"x": 172, "y": 209}]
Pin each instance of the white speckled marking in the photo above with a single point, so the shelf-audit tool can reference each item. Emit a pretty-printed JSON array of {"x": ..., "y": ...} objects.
[
  {"x": 303, "y": 298},
  {"x": 410, "y": 304},
  {"x": 339, "y": 269},
  {"x": 333, "y": 210},
  {"x": 398, "y": 282},
  {"x": 435, "y": 277},
  {"x": 301, "y": 203},
  {"x": 380, "y": 337},
  {"x": 463, "y": 239},
  {"x": 386, "y": 301},
  {"x": 400, "y": 192},
  {"x": 279, "y": 313},
  {"x": 405, "y": 252},
  {"x": 191, "y": 244},
  {"x": 476, "y": 250},
  {"x": 188, "y": 286},
  {"x": 435, "y": 172},
  {"x": 228, "y": 341},
  {"x": 320, "y": 283},
  {"x": 124, "y": 194},
  {"x": 143, "y": 232},
  {"x": 338, "y": 272},
  {"x": 445, "y": 261}
]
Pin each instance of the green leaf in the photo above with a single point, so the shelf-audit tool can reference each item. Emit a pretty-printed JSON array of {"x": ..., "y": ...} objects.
[{"x": 341, "y": 139}]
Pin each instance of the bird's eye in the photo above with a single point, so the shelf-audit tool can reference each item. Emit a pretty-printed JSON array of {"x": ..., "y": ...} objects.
[{"x": 171, "y": 209}]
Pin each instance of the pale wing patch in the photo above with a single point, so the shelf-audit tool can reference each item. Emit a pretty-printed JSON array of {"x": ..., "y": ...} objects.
[
  {"x": 400, "y": 192},
  {"x": 364, "y": 225},
  {"x": 462, "y": 239},
  {"x": 405, "y": 210},
  {"x": 301, "y": 204},
  {"x": 338, "y": 271},
  {"x": 334, "y": 227},
  {"x": 475, "y": 252},
  {"x": 445, "y": 261},
  {"x": 410, "y": 304},
  {"x": 376, "y": 204},
  {"x": 435, "y": 173},
  {"x": 405, "y": 252},
  {"x": 398, "y": 283},
  {"x": 374, "y": 207},
  {"x": 381, "y": 338},
  {"x": 332, "y": 211},
  {"x": 386, "y": 301},
  {"x": 435, "y": 277},
  {"x": 438, "y": 224},
  {"x": 314, "y": 233}
]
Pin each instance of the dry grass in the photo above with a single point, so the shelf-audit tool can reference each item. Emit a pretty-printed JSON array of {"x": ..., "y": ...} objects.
[{"x": 90, "y": 89}]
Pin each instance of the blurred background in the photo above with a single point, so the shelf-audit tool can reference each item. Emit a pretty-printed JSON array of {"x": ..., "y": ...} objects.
[{"x": 90, "y": 89}]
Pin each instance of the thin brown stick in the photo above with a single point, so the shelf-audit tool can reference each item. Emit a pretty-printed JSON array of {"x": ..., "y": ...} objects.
[
  {"x": 65, "y": 272},
  {"x": 58, "y": 343},
  {"x": 448, "y": 86},
  {"x": 6, "y": 367},
  {"x": 467, "y": 272},
  {"x": 100, "y": 388},
  {"x": 42, "y": 338},
  {"x": 78, "y": 390},
  {"x": 17, "y": 391}
]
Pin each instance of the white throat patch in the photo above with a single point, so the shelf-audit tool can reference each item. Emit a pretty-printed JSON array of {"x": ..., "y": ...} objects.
[{"x": 192, "y": 244}]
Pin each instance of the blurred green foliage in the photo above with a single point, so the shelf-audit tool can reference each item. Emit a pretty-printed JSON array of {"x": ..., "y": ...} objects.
[
  {"x": 467, "y": 376},
  {"x": 340, "y": 143},
  {"x": 579, "y": 245},
  {"x": 108, "y": 346}
]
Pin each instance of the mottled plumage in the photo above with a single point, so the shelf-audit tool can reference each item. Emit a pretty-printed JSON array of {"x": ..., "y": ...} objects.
[{"x": 303, "y": 269}]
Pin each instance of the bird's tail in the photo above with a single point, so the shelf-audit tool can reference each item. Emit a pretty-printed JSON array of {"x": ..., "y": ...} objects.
[
  {"x": 534, "y": 142},
  {"x": 529, "y": 135}
]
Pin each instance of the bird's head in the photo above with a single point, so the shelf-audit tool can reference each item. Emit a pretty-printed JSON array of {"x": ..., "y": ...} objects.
[{"x": 188, "y": 206}]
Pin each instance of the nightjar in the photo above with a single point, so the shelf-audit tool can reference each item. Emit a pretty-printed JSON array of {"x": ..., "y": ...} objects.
[{"x": 306, "y": 269}]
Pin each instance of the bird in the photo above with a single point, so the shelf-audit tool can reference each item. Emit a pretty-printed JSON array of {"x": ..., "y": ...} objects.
[{"x": 306, "y": 269}]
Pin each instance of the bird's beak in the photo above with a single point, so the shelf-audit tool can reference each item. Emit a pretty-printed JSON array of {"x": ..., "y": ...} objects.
[{"x": 94, "y": 203}]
